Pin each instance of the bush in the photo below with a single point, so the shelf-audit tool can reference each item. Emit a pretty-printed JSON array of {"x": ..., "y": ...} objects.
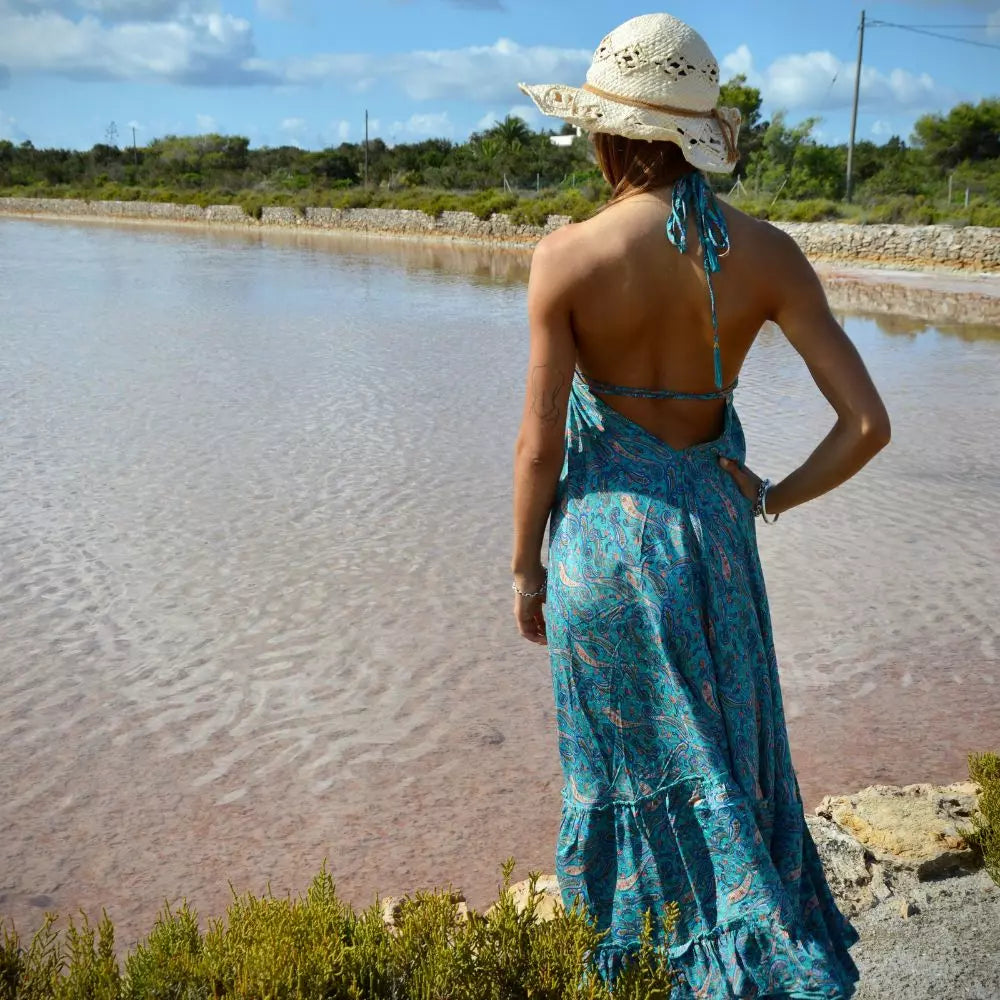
[
  {"x": 984, "y": 834},
  {"x": 318, "y": 947},
  {"x": 810, "y": 210},
  {"x": 536, "y": 211},
  {"x": 985, "y": 214},
  {"x": 253, "y": 205}
]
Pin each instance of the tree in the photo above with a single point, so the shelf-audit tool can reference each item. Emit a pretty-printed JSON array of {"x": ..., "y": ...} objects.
[
  {"x": 771, "y": 163},
  {"x": 512, "y": 132},
  {"x": 967, "y": 132},
  {"x": 736, "y": 94}
]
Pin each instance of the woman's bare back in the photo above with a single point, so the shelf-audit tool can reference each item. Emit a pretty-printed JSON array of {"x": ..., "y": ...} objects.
[{"x": 641, "y": 314}]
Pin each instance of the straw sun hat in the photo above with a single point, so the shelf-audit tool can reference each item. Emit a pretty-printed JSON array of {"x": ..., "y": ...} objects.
[{"x": 653, "y": 77}]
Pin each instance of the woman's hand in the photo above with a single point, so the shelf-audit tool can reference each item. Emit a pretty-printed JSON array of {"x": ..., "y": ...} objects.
[
  {"x": 745, "y": 479},
  {"x": 528, "y": 610}
]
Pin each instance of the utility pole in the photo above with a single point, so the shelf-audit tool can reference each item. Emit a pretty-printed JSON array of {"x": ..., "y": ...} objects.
[
  {"x": 854, "y": 113},
  {"x": 366, "y": 147},
  {"x": 135, "y": 152}
]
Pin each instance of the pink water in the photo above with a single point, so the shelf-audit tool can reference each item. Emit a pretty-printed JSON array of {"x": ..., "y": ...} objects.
[{"x": 253, "y": 569}]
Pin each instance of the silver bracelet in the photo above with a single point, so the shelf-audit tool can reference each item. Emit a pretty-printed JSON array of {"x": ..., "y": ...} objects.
[
  {"x": 760, "y": 504},
  {"x": 537, "y": 593},
  {"x": 763, "y": 508}
]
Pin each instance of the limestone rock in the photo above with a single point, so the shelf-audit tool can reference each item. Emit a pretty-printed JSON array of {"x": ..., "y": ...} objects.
[
  {"x": 550, "y": 904},
  {"x": 913, "y": 828},
  {"x": 857, "y": 880},
  {"x": 967, "y": 248},
  {"x": 843, "y": 863}
]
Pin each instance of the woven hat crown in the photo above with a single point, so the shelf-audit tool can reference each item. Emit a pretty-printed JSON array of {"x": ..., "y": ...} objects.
[
  {"x": 658, "y": 59},
  {"x": 652, "y": 78}
]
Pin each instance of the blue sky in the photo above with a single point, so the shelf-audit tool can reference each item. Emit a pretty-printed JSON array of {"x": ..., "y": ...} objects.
[{"x": 304, "y": 71}]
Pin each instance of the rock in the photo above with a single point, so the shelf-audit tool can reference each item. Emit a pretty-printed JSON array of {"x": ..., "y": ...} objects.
[
  {"x": 847, "y": 867},
  {"x": 857, "y": 879},
  {"x": 966, "y": 248},
  {"x": 913, "y": 828},
  {"x": 550, "y": 904}
]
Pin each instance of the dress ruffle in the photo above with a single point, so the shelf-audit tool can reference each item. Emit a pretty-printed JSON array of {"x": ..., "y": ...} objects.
[{"x": 751, "y": 924}]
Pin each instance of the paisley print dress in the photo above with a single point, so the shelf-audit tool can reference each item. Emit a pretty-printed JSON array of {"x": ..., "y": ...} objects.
[{"x": 678, "y": 782}]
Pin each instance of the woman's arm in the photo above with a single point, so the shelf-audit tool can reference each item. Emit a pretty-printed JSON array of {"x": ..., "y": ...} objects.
[
  {"x": 540, "y": 448},
  {"x": 862, "y": 427}
]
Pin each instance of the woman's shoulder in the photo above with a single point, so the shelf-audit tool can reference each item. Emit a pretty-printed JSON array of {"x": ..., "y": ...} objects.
[
  {"x": 572, "y": 251},
  {"x": 757, "y": 233}
]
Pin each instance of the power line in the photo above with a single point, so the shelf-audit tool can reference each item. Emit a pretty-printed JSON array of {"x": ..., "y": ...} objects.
[
  {"x": 947, "y": 27},
  {"x": 933, "y": 34}
]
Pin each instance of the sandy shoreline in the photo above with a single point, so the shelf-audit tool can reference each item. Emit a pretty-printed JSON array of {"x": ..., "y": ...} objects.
[
  {"x": 908, "y": 255},
  {"x": 951, "y": 300}
]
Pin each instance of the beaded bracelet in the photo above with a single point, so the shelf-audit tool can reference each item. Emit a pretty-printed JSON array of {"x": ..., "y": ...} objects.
[
  {"x": 536, "y": 593},
  {"x": 760, "y": 504}
]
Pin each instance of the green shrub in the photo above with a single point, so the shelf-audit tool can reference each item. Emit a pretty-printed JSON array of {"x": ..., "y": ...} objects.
[
  {"x": 253, "y": 205},
  {"x": 809, "y": 210},
  {"x": 984, "y": 834},
  {"x": 318, "y": 947},
  {"x": 985, "y": 214},
  {"x": 536, "y": 211}
]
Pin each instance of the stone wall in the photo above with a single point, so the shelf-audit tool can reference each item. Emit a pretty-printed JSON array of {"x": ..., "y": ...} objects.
[{"x": 972, "y": 248}]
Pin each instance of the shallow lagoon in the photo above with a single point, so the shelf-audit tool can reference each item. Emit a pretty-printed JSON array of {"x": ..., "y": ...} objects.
[{"x": 253, "y": 567}]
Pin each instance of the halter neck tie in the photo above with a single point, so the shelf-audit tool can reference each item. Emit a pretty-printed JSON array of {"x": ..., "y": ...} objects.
[{"x": 692, "y": 193}]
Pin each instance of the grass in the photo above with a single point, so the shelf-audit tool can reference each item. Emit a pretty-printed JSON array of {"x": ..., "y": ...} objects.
[
  {"x": 317, "y": 948},
  {"x": 533, "y": 208}
]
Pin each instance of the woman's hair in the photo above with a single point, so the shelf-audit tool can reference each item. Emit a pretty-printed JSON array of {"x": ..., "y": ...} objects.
[{"x": 632, "y": 166}]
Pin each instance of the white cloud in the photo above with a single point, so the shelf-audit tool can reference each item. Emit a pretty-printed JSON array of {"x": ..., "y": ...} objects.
[
  {"x": 197, "y": 47},
  {"x": 477, "y": 72},
  {"x": 880, "y": 128},
  {"x": 993, "y": 22},
  {"x": 206, "y": 123},
  {"x": 9, "y": 129},
  {"x": 531, "y": 115},
  {"x": 424, "y": 126},
  {"x": 293, "y": 126},
  {"x": 111, "y": 10},
  {"x": 342, "y": 129},
  {"x": 817, "y": 81},
  {"x": 737, "y": 63},
  {"x": 278, "y": 9},
  {"x": 196, "y": 42}
]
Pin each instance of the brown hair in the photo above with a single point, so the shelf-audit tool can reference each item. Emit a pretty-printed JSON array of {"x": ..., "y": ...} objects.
[{"x": 632, "y": 166}]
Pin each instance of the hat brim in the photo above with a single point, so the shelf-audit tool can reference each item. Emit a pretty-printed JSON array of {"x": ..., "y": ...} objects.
[{"x": 701, "y": 139}]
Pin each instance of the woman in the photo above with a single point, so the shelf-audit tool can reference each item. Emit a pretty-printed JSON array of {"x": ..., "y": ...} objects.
[{"x": 678, "y": 781}]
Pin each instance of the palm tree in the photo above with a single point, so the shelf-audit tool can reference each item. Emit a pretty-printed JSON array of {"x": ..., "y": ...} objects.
[{"x": 513, "y": 132}]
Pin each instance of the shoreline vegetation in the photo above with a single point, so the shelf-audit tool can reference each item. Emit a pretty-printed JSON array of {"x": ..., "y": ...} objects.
[
  {"x": 509, "y": 184},
  {"x": 886, "y": 848},
  {"x": 970, "y": 249}
]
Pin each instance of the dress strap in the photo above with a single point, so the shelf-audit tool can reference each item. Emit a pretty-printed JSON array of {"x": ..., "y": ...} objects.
[
  {"x": 610, "y": 389},
  {"x": 692, "y": 193}
]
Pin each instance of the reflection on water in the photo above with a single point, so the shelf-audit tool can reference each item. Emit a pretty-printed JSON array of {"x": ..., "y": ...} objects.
[{"x": 253, "y": 568}]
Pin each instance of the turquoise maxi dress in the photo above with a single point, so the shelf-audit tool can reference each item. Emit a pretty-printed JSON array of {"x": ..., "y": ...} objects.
[{"x": 678, "y": 782}]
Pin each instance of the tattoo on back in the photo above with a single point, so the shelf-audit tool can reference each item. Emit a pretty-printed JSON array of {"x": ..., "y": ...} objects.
[{"x": 546, "y": 387}]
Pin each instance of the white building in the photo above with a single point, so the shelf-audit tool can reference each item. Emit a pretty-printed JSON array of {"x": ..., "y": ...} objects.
[{"x": 565, "y": 140}]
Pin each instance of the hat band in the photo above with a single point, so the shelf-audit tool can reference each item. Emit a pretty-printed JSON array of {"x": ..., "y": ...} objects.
[{"x": 724, "y": 126}]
